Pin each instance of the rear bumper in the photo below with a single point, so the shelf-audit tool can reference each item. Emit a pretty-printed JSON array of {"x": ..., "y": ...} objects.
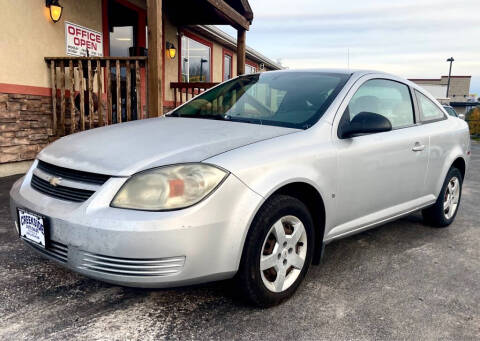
[{"x": 144, "y": 249}]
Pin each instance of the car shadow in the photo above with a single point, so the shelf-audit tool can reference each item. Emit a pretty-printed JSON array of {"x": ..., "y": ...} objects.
[{"x": 385, "y": 241}]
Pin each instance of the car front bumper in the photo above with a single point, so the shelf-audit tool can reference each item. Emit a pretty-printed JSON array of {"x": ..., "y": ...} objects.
[{"x": 140, "y": 248}]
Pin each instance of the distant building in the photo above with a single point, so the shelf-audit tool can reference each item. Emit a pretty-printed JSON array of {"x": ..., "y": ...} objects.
[{"x": 459, "y": 93}]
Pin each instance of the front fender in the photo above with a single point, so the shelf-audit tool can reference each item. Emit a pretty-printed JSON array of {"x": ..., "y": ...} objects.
[{"x": 303, "y": 157}]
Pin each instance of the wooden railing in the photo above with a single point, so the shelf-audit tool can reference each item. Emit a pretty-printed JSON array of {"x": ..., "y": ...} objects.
[
  {"x": 192, "y": 89},
  {"x": 88, "y": 92}
]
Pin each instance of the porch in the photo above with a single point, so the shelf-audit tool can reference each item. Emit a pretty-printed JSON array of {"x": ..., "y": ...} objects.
[{"x": 89, "y": 92}]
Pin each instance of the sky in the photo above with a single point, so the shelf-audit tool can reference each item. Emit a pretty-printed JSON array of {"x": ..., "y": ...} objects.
[{"x": 410, "y": 38}]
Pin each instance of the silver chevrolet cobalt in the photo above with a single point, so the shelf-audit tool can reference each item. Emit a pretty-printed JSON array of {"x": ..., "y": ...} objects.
[{"x": 248, "y": 180}]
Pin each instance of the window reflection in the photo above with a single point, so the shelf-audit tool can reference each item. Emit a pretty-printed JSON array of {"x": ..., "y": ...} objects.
[
  {"x": 429, "y": 110},
  {"x": 121, "y": 39},
  {"x": 268, "y": 98},
  {"x": 227, "y": 67},
  {"x": 384, "y": 97},
  {"x": 249, "y": 69},
  {"x": 195, "y": 61}
]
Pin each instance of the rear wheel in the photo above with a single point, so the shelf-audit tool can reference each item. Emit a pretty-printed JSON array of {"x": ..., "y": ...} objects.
[
  {"x": 445, "y": 209},
  {"x": 278, "y": 251}
]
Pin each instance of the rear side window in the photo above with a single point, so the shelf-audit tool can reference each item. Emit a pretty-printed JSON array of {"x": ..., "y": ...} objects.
[
  {"x": 451, "y": 111},
  {"x": 429, "y": 111},
  {"x": 384, "y": 97}
]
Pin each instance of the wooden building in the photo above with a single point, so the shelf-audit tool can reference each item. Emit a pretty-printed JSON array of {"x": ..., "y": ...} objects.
[{"x": 109, "y": 61}]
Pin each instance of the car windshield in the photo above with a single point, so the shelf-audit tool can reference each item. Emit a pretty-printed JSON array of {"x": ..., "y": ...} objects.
[{"x": 286, "y": 99}]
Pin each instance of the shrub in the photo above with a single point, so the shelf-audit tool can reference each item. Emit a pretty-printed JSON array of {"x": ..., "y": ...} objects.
[{"x": 473, "y": 119}]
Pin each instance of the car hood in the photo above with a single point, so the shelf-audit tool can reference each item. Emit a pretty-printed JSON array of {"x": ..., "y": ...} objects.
[{"x": 124, "y": 149}]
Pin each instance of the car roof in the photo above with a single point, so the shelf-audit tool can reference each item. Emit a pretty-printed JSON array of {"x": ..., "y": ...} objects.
[
  {"x": 358, "y": 73},
  {"x": 339, "y": 71},
  {"x": 355, "y": 73}
]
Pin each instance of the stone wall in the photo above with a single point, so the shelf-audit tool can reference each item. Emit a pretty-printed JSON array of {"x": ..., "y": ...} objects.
[{"x": 25, "y": 126}]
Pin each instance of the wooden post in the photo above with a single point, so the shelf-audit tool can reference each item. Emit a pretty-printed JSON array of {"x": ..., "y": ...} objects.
[
  {"x": 138, "y": 90},
  {"x": 72, "y": 96},
  {"x": 155, "y": 60},
  {"x": 128, "y": 98},
  {"x": 62, "y": 98},
  {"x": 241, "y": 41},
  {"x": 109, "y": 93},
  {"x": 119, "y": 93},
  {"x": 82, "y": 96},
  {"x": 100, "y": 92},
  {"x": 53, "y": 76},
  {"x": 90, "y": 94}
]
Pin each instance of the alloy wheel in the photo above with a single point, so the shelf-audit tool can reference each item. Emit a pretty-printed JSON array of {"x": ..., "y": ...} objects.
[
  {"x": 283, "y": 254},
  {"x": 452, "y": 195}
]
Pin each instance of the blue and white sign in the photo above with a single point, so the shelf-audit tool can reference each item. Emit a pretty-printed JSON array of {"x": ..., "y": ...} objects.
[{"x": 32, "y": 227}]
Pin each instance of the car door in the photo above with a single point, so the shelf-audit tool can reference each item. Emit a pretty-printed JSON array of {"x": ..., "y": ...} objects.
[
  {"x": 436, "y": 125},
  {"x": 379, "y": 175}
]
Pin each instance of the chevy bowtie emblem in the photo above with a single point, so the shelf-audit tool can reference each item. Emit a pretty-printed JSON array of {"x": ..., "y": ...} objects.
[{"x": 54, "y": 181}]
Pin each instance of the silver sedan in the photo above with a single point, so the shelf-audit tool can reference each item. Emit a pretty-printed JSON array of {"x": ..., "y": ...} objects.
[{"x": 248, "y": 180}]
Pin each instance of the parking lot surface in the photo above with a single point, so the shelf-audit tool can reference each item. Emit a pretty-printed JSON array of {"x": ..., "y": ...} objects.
[{"x": 402, "y": 280}]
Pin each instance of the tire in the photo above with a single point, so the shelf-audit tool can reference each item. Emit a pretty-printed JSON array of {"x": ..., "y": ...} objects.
[
  {"x": 437, "y": 215},
  {"x": 265, "y": 246}
]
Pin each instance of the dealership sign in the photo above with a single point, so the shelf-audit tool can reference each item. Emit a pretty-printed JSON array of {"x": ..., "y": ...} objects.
[{"x": 80, "y": 39}]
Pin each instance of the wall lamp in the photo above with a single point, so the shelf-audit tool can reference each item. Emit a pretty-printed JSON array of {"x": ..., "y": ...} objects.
[
  {"x": 171, "y": 50},
  {"x": 55, "y": 9}
]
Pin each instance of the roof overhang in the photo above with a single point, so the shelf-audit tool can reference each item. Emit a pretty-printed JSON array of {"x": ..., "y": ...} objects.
[
  {"x": 464, "y": 104},
  {"x": 230, "y": 42},
  {"x": 236, "y": 13}
]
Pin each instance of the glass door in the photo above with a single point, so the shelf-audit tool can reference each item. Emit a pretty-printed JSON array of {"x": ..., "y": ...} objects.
[{"x": 124, "y": 21}]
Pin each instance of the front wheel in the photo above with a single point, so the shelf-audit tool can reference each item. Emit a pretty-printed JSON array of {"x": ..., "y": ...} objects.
[
  {"x": 278, "y": 251},
  {"x": 443, "y": 212}
]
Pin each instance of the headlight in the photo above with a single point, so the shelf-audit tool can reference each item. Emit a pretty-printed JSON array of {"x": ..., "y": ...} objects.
[{"x": 168, "y": 188}]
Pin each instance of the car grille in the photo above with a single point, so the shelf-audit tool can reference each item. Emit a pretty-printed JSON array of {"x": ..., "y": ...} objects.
[
  {"x": 71, "y": 174},
  {"x": 131, "y": 266},
  {"x": 74, "y": 185},
  {"x": 60, "y": 192},
  {"x": 55, "y": 250}
]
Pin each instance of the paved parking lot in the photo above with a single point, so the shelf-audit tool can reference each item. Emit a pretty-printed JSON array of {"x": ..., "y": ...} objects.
[{"x": 402, "y": 280}]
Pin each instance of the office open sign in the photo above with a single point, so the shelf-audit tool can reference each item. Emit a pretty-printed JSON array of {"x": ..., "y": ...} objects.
[{"x": 80, "y": 39}]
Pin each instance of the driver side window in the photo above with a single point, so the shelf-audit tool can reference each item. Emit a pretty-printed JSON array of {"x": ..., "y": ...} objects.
[{"x": 384, "y": 97}]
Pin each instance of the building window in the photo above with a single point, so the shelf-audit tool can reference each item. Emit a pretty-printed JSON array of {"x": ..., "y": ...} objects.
[
  {"x": 227, "y": 65},
  {"x": 250, "y": 69},
  {"x": 196, "y": 60}
]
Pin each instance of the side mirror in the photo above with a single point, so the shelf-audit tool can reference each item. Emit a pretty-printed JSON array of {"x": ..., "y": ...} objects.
[{"x": 365, "y": 123}]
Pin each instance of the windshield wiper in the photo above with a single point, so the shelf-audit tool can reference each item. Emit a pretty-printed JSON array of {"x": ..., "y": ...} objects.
[
  {"x": 220, "y": 118},
  {"x": 244, "y": 119},
  {"x": 207, "y": 117}
]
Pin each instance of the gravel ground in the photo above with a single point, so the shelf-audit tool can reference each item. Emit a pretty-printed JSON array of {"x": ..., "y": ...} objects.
[{"x": 402, "y": 280}]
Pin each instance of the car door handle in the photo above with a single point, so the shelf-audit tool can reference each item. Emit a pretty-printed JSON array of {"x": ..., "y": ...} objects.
[{"x": 418, "y": 147}]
